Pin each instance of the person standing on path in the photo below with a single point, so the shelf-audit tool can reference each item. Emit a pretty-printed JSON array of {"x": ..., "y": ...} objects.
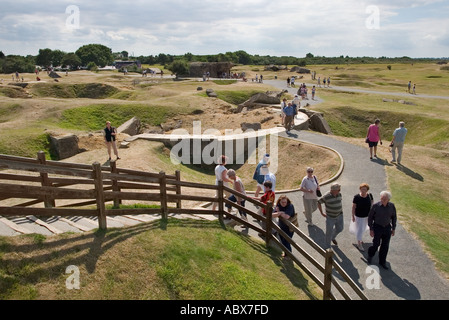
[
  {"x": 398, "y": 142},
  {"x": 110, "y": 136},
  {"x": 361, "y": 206},
  {"x": 309, "y": 186},
  {"x": 382, "y": 223},
  {"x": 373, "y": 138},
  {"x": 334, "y": 214}
]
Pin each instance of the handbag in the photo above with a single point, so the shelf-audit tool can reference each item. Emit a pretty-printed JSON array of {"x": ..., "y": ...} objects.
[
  {"x": 318, "y": 191},
  {"x": 366, "y": 140},
  {"x": 294, "y": 221}
]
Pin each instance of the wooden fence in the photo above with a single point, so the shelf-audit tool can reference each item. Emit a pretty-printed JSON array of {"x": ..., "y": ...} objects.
[{"x": 84, "y": 191}]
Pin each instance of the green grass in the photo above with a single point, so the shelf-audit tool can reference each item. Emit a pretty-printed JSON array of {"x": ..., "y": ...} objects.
[
  {"x": 71, "y": 91},
  {"x": 422, "y": 208},
  {"x": 174, "y": 260},
  {"x": 352, "y": 122},
  {"x": 236, "y": 97},
  {"x": 9, "y": 111},
  {"x": 27, "y": 142},
  {"x": 224, "y": 82},
  {"x": 93, "y": 117},
  {"x": 428, "y": 77}
]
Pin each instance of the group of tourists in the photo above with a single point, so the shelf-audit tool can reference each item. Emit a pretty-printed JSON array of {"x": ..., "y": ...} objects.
[
  {"x": 328, "y": 81},
  {"x": 373, "y": 138},
  {"x": 379, "y": 218}
]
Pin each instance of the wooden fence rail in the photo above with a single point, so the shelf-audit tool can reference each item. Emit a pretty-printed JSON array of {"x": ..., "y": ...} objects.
[{"x": 56, "y": 184}]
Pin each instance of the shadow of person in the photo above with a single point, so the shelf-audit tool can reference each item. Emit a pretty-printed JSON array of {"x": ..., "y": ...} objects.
[
  {"x": 317, "y": 235},
  {"x": 402, "y": 288},
  {"x": 346, "y": 265},
  {"x": 382, "y": 162},
  {"x": 410, "y": 172}
]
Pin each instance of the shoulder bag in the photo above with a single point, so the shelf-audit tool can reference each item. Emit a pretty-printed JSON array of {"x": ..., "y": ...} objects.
[{"x": 318, "y": 191}]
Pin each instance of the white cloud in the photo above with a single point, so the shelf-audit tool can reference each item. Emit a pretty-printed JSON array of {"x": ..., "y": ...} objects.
[{"x": 287, "y": 27}]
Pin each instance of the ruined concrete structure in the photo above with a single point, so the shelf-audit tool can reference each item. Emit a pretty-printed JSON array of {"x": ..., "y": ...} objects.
[{"x": 215, "y": 69}]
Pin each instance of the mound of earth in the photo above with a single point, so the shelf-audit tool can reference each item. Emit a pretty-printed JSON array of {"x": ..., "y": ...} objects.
[{"x": 89, "y": 90}]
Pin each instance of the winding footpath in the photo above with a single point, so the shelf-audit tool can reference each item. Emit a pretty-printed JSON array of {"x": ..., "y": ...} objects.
[{"x": 411, "y": 275}]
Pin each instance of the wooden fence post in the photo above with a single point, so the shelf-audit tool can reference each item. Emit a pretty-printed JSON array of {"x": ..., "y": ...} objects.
[
  {"x": 115, "y": 187},
  {"x": 163, "y": 190},
  {"x": 220, "y": 202},
  {"x": 99, "y": 193},
  {"x": 48, "y": 201},
  {"x": 178, "y": 189},
  {"x": 328, "y": 258},
  {"x": 269, "y": 216}
]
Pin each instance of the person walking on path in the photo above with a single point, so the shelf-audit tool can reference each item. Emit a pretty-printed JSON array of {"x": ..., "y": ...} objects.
[
  {"x": 283, "y": 106},
  {"x": 110, "y": 136},
  {"x": 309, "y": 187},
  {"x": 296, "y": 103},
  {"x": 382, "y": 223},
  {"x": 221, "y": 174},
  {"x": 398, "y": 142},
  {"x": 289, "y": 117},
  {"x": 361, "y": 206},
  {"x": 334, "y": 214},
  {"x": 373, "y": 138},
  {"x": 284, "y": 209}
]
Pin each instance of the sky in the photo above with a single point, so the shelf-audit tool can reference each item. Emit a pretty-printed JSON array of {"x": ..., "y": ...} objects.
[{"x": 391, "y": 28}]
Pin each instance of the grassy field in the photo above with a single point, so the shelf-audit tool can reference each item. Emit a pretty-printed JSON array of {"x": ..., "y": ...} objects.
[{"x": 174, "y": 260}]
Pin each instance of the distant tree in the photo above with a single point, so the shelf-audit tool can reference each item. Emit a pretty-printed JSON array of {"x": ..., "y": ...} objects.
[
  {"x": 124, "y": 54},
  {"x": 188, "y": 56},
  {"x": 243, "y": 57},
  {"x": 179, "y": 68},
  {"x": 57, "y": 56},
  {"x": 72, "y": 60},
  {"x": 2, "y": 55},
  {"x": 309, "y": 55},
  {"x": 162, "y": 58},
  {"x": 92, "y": 66},
  {"x": 15, "y": 63},
  {"x": 96, "y": 53},
  {"x": 44, "y": 58}
]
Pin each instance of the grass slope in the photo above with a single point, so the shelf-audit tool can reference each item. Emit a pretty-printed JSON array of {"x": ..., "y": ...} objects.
[{"x": 156, "y": 261}]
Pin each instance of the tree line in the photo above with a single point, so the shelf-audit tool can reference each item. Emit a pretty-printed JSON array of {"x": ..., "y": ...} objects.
[{"x": 97, "y": 55}]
